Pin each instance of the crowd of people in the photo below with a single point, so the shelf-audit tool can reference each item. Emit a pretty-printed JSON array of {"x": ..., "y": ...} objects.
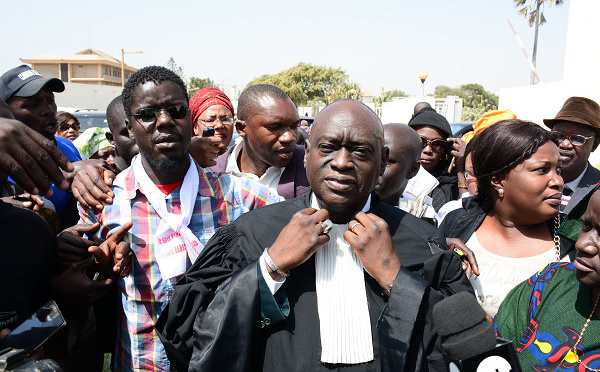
[{"x": 172, "y": 248}]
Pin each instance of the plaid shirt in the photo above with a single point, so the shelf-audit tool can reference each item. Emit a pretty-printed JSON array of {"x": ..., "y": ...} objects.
[{"x": 144, "y": 293}]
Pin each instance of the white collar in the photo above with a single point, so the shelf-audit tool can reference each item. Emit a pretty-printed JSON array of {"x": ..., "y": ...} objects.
[
  {"x": 315, "y": 204},
  {"x": 270, "y": 178}
]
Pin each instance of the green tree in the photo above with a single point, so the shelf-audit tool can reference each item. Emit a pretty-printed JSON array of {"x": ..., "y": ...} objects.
[
  {"x": 386, "y": 96},
  {"x": 476, "y": 100},
  {"x": 533, "y": 11},
  {"x": 307, "y": 84},
  {"x": 196, "y": 83},
  {"x": 172, "y": 65},
  {"x": 442, "y": 91}
]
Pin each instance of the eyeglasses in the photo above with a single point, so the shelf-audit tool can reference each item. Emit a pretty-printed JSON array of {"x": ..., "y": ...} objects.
[
  {"x": 575, "y": 139},
  {"x": 213, "y": 122},
  {"x": 469, "y": 176},
  {"x": 437, "y": 145},
  {"x": 66, "y": 126},
  {"x": 151, "y": 114}
]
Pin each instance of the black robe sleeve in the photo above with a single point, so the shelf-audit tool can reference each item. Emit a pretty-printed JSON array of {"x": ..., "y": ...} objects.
[{"x": 194, "y": 292}]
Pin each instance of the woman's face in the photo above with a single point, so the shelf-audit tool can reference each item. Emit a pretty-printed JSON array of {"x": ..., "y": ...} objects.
[
  {"x": 216, "y": 117},
  {"x": 533, "y": 188},
  {"x": 431, "y": 157},
  {"x": 470, "y": 176},
  {"x": 69, "y": 130},
  {"x": 107, "y": 153},
  {"x": 587, "y": 258}
]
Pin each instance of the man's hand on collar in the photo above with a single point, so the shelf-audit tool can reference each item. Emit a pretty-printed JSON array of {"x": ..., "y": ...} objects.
[
  {"x": 299, "y": 240},
  {"x": 370, "y": 237}
]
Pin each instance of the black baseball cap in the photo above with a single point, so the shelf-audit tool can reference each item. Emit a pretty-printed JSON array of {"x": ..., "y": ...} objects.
[{"x": 23, "y": 81}]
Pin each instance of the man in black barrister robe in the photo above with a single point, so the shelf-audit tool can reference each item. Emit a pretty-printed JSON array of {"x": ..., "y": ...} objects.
[{"x": 278, "y": 291}]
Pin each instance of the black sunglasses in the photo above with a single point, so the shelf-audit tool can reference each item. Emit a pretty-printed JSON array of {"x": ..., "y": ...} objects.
[
  {"x": 66, "y": 126},
  {"x": 151, "y": 114},
  {"x": 437, "y": 145}
]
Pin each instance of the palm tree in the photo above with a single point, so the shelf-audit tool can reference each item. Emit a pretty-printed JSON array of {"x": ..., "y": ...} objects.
[{"x": 533, "y": 11}]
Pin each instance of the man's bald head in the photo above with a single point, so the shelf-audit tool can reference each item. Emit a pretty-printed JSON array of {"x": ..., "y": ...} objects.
[
  {"x": 253, "y": 97},
  {"x": 344, "y": 157},
  {"x": 403, "y": 164},
  {"x": 401, "y": 136},
  {"x": 344, "y": 110},
  {"x": 422, "y": 106}
]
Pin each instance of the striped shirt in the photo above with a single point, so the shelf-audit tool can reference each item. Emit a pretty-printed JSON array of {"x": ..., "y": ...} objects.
[{"x": 144, "y": 293}]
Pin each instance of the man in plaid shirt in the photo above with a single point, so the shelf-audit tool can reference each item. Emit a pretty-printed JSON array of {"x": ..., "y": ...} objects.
[{"x": 175, "y": 208}]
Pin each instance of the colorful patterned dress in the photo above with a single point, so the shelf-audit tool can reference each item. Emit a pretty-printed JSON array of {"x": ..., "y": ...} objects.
[{"x": 544, "y": 316}]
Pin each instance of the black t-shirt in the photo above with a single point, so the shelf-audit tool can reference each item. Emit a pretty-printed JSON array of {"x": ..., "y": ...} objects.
[{"x": 26, "y": 264}]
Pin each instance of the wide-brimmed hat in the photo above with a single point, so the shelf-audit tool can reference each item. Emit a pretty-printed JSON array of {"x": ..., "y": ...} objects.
[
  {"x": 579, "y": 110},
  {"x": 431, "y": 119}
]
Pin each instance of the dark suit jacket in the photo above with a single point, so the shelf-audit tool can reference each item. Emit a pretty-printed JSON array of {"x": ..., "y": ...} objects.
[
  {"x": 216, "y": 307},
  {"x": 587, "y": 183},
  {"x": 293, "y": 181}
]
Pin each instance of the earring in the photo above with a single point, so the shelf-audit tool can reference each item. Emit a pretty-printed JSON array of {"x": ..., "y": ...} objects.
[{"x": 501, "y": 193}]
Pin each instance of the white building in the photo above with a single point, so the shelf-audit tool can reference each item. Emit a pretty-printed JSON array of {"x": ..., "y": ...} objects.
[{"x": 401, "y": 109}]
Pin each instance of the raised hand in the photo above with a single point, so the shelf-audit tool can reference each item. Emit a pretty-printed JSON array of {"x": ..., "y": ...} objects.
[
  {"x": 114, "y": 254},
  {"x": 75, "y": 289},
  {"x": 27, "y": 201},
  {"x": 466, "y": 255},
  {"x": 90, "y": 183},
  {"x": 458, "y": 152},
  {"x": 204, "y": 150},
  {"x": 72, "y": 247},
  {"x": 31, "y": 159}
]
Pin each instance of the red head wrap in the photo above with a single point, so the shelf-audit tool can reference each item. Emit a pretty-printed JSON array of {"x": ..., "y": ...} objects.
[{"x": 206, "y": 97}]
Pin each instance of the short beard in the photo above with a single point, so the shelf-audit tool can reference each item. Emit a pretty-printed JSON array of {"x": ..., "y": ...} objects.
[{"x": 167, "y": 164}]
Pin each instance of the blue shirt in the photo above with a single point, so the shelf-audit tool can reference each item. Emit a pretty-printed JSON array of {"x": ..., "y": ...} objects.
[{"x": 59, "y": 197}]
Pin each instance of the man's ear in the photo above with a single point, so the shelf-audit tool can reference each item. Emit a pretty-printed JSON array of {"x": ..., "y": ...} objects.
[
  {"x": 110, "y": 138},
  {"x": 241, "y": 126},
  {"x": 129, "y": 129},
  {"x": 414, "y": 169},
  {"x": 596, "y": 142},
  {"x": 306, "y": 151},
  {"x": 385, "y": 154},
  {"x": 196, "y": 129}
]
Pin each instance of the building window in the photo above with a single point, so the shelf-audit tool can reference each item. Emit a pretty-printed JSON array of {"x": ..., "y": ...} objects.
[{"x": 64, "y": 72}]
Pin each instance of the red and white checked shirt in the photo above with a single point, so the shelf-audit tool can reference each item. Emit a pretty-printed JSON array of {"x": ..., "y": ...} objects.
[{"x": 144, "y": 293}]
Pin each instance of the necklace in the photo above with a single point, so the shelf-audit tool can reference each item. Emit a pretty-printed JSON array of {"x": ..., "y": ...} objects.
[
  {"x": 556, "y": 239},
  {"x": 574, "y": 349}
]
